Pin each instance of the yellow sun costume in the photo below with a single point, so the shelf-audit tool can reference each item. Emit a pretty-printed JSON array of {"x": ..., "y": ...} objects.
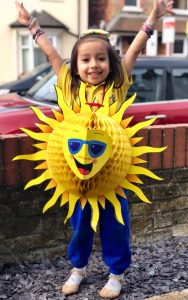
[{"x": 89, "y": 156}]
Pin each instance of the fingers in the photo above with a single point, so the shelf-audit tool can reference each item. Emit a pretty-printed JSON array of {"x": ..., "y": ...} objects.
[
  {"x": 17, "y": 5},
  {"x": 170, "y": 6}
]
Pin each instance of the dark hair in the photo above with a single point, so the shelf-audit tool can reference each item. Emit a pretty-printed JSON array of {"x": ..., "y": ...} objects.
[{"x": 116, "y": 72}]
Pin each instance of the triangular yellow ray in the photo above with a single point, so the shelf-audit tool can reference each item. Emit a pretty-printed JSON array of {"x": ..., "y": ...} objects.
[
  {"x": 40, "y": 155},
  {"x": 116, "y": 204},
  {"x": 64, "y": 198},
  {"x": 67, "y": 111},
  {"x": 120, "y": 192},
  {"x": 127, "y": 185},
  {"x": 137, "y": 151},
  {"x": 143, "y": 171},
  {"x": 51, "y": 185},
  {"x": 83, "y": 202},
  {"x": 39, "y": 136},
  {"x": 43, "y": 177},
  {"x": 76, "y": 107},
  {"x": 133, "y": 130},
  {"x": 95, "y": 212},
  {"x": 112, "y": 108},
  {"x": 85, "y": 108},
  {"x": 105, "y": 108},
  {"x": 135, "y": 140},
  {"x": 102, "y": 201},
  {"x": 134, "y": 178},
  {"x": 72, "y": 202},
  {"x": 44, "y": 128},
  {"x": 42, "y": 166},
  {"x": 59, "y": 116},
  {"x": 137, "y": 160},
  {"x": 118, "y": 116},
  {"x": 59, "y": 190},
  {"x": 41, "y": 146},
  {"x": 53, "y": 123},
  {"x": 125, "y": 122}
]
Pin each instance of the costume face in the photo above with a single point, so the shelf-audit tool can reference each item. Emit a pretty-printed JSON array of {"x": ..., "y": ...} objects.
[
  {"x": 86, "y": 151},
  {"x": 93, "y": 61}
]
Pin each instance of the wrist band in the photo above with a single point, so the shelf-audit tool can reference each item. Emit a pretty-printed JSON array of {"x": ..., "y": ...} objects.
[
  {"x": 38, "y": 33},
  {"x": 31, "y": 23},
  {"x": 147, "y": 29}
]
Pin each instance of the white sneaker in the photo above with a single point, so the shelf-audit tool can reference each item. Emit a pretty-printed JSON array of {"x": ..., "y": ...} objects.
[
  {"x": 71, "y": 286},
  {"x": 112, "y": 288}
]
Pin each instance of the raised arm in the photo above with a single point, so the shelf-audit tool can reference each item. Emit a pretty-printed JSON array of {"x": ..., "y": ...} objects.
[
  {"x": 41, "y": 39},
  {"x": 160, "y": 8}
]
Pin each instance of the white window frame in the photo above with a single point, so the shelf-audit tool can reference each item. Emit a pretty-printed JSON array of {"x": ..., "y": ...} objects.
[
  {"x": 136, "y": 7},
  {"x": 21, "y": 47},
  {"x": 54, "y": 37},
  {"x": 180, "y": 11}
]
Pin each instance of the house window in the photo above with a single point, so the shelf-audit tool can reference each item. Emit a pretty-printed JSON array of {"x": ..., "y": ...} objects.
[
  {"x": 180, "y": 4},
  {"x": 30, "y": 54},
  {"x": 180, "y": 47},
  {"x": 134, "y": 3}
]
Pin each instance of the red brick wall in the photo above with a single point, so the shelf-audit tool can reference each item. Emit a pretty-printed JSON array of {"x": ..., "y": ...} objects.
[
  {"x": 26, "y": 233},
  {"x": 13, "y": 173}
]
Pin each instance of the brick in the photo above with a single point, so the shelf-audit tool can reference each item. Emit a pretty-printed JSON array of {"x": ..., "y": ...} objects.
[
  {"x": 180, "y": 145},
  {"x": 26, "y": 167},
  {"x": 10, "y": 150},
  {"x": 144, "y": 142},
  {"x": 168, "y": 154},
  {"x": 156, "y": 134},
  {"x": 2, "y": 167},
  {"x": 186, "y": 147}
]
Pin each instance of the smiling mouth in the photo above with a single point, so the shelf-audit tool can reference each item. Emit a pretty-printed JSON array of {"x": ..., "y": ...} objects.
[
  {"x": 83, "y": 169},
  {"x": 95, "y": 74}
]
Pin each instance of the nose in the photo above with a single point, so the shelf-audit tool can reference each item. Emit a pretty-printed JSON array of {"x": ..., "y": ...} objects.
[{"x": 93, "y": 63}]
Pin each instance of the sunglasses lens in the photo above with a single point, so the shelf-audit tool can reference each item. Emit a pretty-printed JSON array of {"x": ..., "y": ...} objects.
[
  {"x": 74, "y": 146},
  {"x": 96, "y": 149}
]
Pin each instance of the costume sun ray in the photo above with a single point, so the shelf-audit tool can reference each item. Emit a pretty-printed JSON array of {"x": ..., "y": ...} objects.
[{"x": 67, "y": 145}]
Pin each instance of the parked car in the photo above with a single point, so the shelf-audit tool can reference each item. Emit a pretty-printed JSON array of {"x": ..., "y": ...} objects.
[
  {"x": 161, "y": 85},
  {"x": 26, "y": 81}
]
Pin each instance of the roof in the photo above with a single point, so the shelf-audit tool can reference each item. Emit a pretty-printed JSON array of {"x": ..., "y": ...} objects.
[
  {"x": 131, "y": 22},
  {"x": 45, "y": 20}
]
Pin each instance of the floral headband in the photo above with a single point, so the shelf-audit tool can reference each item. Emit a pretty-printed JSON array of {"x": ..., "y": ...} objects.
[{"x": 96, "y": 32}]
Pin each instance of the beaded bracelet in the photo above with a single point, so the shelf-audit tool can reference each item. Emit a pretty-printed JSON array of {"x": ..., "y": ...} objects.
[
  {"x": 31, "y": 23},
  {"x": 38, "y": 33},
  {"x": 147, "y": 29}
]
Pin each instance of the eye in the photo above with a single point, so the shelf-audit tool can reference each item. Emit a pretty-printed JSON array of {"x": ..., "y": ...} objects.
[
  {"x": 97, "y": 149},
  {"x": 85, "y": 60},
  {"x": 74, "y": 146},
  {"x": 102, "y": 58}
]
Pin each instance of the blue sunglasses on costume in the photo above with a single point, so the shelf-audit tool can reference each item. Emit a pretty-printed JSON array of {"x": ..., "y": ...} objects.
[{"x": 95, "y": 148}]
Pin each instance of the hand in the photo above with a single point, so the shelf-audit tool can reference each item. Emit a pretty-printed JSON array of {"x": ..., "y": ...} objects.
[
  {"x": 162, "y": 7},
  {"x": 23, "y": 15}
]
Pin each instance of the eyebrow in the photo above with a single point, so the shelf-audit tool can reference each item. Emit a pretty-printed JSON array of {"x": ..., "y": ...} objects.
[{"x": 88, "y": 54}]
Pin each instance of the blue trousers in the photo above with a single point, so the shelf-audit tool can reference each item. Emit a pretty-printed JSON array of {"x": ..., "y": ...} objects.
[{"x": 115, "y": 237}]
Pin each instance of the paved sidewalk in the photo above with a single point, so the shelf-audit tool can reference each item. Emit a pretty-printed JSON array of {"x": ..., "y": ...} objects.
[{"x": 183, "y": 295}]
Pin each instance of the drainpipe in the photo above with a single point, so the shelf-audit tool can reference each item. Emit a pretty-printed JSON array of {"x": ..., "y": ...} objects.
[{"x": 79, "y": 16}]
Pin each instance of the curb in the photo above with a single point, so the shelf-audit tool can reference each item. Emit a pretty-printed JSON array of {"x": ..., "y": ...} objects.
[{"x": 183, "y": 295}]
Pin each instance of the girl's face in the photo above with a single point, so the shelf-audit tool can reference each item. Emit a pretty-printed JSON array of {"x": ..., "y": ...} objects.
[{"x": 93, "y": 61}]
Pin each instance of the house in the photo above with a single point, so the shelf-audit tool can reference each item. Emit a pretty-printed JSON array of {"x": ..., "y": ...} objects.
[
  {"x": 123, "y": 19},
  {"x": 61, "y": 20}
]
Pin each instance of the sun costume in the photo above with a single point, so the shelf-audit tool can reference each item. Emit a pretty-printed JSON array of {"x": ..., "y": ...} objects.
[{"x": 91, "y": 159}]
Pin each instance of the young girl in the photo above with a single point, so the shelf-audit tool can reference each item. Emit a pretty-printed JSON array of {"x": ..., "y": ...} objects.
[{"x": 97, "y": 65}]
